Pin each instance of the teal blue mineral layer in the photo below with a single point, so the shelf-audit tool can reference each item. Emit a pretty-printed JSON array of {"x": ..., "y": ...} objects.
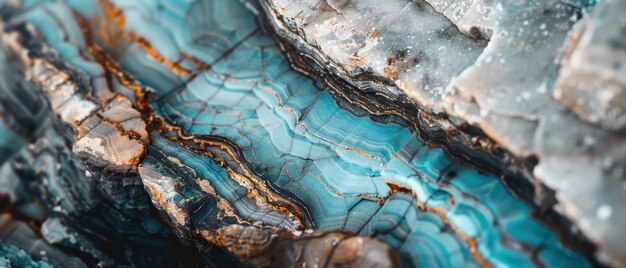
[{"x": 13, "y": 256}]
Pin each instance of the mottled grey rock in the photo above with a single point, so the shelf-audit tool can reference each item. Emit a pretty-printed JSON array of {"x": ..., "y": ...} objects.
[
  {"x": 420, "y": 55},
  {"x": 592, "y": 75}
]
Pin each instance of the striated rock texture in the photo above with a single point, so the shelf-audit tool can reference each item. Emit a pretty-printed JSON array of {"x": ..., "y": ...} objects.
[{"x": 304, "y": 133}]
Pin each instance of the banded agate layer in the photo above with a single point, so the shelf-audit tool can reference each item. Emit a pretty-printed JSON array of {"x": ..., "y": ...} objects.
[{"x": 195, "y": 102}]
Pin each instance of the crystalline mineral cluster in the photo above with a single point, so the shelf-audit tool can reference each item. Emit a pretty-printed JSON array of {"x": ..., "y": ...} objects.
[{"x": 312, "y": 133}]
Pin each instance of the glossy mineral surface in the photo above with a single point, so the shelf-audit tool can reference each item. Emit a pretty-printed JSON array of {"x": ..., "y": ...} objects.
[{"x": 178, "y": 133}]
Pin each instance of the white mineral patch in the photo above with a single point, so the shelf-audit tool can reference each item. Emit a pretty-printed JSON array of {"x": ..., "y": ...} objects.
[{"x": 162, "y": 190}]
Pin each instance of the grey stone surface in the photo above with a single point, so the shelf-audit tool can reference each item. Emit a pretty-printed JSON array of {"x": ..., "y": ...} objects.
[{"x": 592, "y": 76}]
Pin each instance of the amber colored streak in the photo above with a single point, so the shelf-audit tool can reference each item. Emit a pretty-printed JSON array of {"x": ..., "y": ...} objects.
[
  {"x": 473, "y": 246},
  {"x": 222, "y": 203},
  {"x": 156, "y": 123},
  {"x": 233, "y": 243},
  {"x": 203, "y": 66},
  {"x": 147, "y": 47},
  {"x": 131, "y": 134},
  {"x": 116, "y": 14}
]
